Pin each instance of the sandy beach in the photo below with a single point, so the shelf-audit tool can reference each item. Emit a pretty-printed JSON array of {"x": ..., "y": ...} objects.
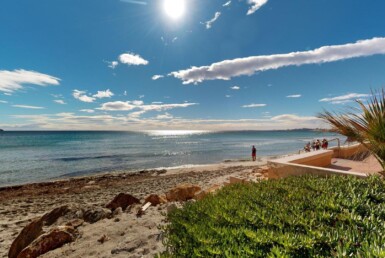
[{"x": 122, "y": 234}]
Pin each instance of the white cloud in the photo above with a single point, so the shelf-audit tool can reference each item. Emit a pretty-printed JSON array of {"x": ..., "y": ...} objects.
[
  {"x": 141, "y": 96},
  {"x": 138, "y": 104},
  {"x": 125, "y": 93},
  {"x": 228, "y": 96},
  {"x": 293, "y": 118},
  {"x": 112, "y": 64},
  {"x": 235, "y": 88},
  {"x": 157, "y": 76},
  {"x": 227, "y": 69},
  {"x": 227, "y": 4},
  {"x": 60, "y": 101},
  {"x": 174, "y": 39},
  {"x": 29, "y": 107},
  {"x": 255, "y": 5},
  {"x": 164, "y": 116},
  {"x": 87, "y": 110},
  {"x": 3, "y": 101},
  {"x": 210, "y": 22},
  {"x": 253, "y": 105},
  {"x": 157, "y": 102},
  {"x": 294, "y": 96},
  {"x": 344, "y": 98},
  {"x": 11, "y": 81},
  {"x": 103, "y": 94},
  {"x": 81, "y": 95},
  {"x": 7, "y": 94},
  {"x": 132, "y": 59}
]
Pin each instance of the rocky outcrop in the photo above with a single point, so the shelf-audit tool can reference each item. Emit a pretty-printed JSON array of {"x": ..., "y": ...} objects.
[
  {"x": 122, "y": 200},
  {"x": 55, "y": 238},
  {"x": 95, "y": 214},
  {"x": 155, "y": 199},
  {"x": 29, "y": 233},
  {"x": 204, "y": 193},
  {"x": 51, "y": 217},
  {"x": 182, "y": 192}
]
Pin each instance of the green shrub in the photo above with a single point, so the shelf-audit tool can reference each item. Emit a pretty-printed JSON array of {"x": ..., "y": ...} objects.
[{"x": 293, "y": 217}]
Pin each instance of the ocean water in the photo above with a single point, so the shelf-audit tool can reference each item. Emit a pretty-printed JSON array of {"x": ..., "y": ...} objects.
[{"x": 38, "y": 156}]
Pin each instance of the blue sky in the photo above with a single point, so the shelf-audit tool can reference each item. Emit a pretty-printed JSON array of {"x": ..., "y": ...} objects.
[{"x": 185, "y": 64}]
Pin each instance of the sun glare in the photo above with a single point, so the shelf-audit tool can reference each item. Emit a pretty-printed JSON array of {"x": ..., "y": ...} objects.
[{"x": 174, "y": 8}]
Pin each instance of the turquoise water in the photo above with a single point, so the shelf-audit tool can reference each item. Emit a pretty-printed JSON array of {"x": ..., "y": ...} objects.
[{"x": 38, "y": 156}]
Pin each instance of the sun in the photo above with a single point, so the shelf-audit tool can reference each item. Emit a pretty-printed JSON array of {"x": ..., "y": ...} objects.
[{"x": 174, "y": 8}]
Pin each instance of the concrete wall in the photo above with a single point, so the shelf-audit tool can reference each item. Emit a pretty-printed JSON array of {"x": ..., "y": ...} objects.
[
  {"x": 348, "y": 151},
  {"x": 281, "y": 170},
  {"x": 312, "y": 163}
]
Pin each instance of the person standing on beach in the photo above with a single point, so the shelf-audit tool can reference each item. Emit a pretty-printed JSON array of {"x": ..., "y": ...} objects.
[{"x": 254, "y": 153}]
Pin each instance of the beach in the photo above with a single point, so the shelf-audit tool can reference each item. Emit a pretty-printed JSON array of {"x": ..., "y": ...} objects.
[{"x": 123, "y": 234}]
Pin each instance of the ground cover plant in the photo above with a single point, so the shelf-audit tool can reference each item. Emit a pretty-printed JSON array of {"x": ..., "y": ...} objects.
[{"x": 294, "y": 217}]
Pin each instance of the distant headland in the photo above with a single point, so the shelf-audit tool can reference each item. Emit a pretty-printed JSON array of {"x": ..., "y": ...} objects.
[{"x": 1, "y": 130}]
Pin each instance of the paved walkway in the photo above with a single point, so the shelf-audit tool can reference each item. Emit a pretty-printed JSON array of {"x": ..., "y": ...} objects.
[{"x": 368, "y": 166}]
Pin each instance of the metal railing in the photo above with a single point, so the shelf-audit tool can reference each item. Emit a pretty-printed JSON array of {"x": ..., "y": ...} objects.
[{"x": 331, "y": 140}]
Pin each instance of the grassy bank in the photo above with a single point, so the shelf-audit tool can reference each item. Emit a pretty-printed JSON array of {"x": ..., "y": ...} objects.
[{"x": 292, "y": 217}]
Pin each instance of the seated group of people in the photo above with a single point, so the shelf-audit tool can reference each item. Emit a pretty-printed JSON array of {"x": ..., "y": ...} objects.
[{"x": 316, "y": 145}]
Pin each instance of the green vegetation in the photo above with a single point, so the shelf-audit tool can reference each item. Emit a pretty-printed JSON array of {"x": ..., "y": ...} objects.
[
  {"x": 365, "y": 124},
  {"x": 293, "y": 217}
]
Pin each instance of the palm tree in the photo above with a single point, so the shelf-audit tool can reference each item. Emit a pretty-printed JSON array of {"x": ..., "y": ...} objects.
[{"x": 364, "y": 124}]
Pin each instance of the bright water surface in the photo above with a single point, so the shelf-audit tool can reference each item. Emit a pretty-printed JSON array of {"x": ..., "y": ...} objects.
[{"x": 38, "y": 156}]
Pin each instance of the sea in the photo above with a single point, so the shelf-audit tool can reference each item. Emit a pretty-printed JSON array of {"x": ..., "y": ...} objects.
[{"x": 36, "y": 156}]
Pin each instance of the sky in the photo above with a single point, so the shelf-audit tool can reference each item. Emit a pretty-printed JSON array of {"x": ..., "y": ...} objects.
[{"x": 186, "y": 64}]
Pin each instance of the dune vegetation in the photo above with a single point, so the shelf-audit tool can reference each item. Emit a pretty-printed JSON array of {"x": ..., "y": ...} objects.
[{"x": 303, "y": 216}]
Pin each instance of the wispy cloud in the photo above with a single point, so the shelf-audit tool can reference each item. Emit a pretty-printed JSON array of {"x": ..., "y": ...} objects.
[
  {"x": 132, "y": 59},
  {"x": 228, "y": 96},
  {"x": 3, "y": 101},
  {"x": 11, "y": 81},
  {"x": 60, "y": 101},
  {"x": 210, "y": 22},
  {"x": 344, "y": 98},
  {"x": 294, "y": 96},
  {"x": 81, "y": 95},
  {"x": 226, "y": 4},
  {"x": 164, "y": 116},
  {"x": 103, "y": 94},
  {"x": 112, "y": 64},
  {"x": 28, "y": 107},
  {"x": 138, "y": 104},
  {"x": 157, "y": 76},
  {"x": 255, "y": 5},
  {"x": 254, "y": 105},
  {"x": 227, "y": 69},
  {"x": 134, "y": 2},
  {"x": 132, "y": 121},
  {"x": 87, "y": 110},
  {"x": 235, "y": 88}
]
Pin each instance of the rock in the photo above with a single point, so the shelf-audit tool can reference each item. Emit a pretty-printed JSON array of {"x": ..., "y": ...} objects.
[
  {"x": 122, "y": 200},
  {"x": 51, "y": 217},
  {"x": 202, "y": 194},
  {"x": 129, "y": 247},
  {"x": 117, "y": 212},
  {"x": 75, "y": 223},
  {"x": 182, "y": 192},
  {"x": 155, "y": 199},
  {"x": 56, "y": 238},
  {"x": 29, "y": 233},
  {"x": 95, "y": 214},
  {"x": 103, "y": 239}
]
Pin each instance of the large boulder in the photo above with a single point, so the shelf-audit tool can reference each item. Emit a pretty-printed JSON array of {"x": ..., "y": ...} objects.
[
  {"x": 55, "y": 238},
  {"x": 52, "y": 216},
  {"x": 29, "y": 233},
  {"x": 182, "y": 192},
  {"x": 155, "y": 199},
  {"x": 95, "y": 214},
  {"x": 122, "y": 200}
]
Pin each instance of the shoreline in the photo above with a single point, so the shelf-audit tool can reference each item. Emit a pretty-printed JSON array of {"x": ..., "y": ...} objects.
[
  {"x": 22, "y": 203},
  {"x": 226, "y": 162}
]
